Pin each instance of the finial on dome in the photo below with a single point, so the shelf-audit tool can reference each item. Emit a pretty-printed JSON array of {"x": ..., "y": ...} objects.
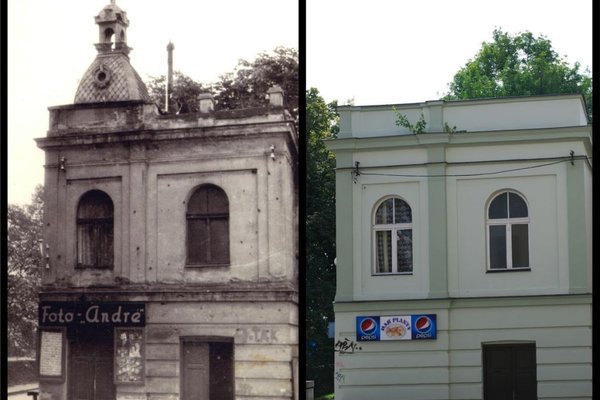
[{"x": 112, "y": 23}]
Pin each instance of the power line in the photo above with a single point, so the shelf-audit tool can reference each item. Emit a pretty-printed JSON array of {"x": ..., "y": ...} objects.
[{"x": 357, "y": 172}]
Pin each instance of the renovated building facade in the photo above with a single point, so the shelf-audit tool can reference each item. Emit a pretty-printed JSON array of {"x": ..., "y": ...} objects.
[
  {"x": 170, "y": 243},
  {"x": 464, "y": 250}
]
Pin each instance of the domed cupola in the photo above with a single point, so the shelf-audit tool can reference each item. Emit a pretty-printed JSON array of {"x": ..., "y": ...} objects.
[{"x": 111, "y": 76}]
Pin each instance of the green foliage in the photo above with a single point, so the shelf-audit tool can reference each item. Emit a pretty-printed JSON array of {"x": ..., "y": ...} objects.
[
  {"x": 321, "y": 124},
  {"x": 245, "y": 87},
  {"x": 520, "y": 65},
  {"x": 447, "y": 128},
  {"x": 24, "y": 229},
  {"x": 402, "y": 120}
]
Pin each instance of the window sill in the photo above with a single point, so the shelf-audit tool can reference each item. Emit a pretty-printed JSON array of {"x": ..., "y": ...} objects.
[
  {"x": 81, "y": 266},
  {"x": 492, "y": 271},
  {"x": 191, "y": 266},
  {"x": 393, "y": 274}
]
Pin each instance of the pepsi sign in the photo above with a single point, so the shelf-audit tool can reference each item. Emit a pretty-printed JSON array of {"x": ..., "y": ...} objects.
[
  {"x": 397, "y": 327},
  {"x": 424, "y": 327},
  {"x": 367, "y": 328}
]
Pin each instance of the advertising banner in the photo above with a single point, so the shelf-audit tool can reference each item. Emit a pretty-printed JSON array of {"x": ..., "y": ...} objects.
[{"x": 396, "y": 327}]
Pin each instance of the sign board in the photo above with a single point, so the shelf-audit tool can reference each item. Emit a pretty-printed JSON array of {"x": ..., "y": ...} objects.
[
  {"x": 51, "y": 353},
  {"x": 396, "y": 327},
  {"x": 57, "y": 313},
  {"x": 129, "y": 355}
]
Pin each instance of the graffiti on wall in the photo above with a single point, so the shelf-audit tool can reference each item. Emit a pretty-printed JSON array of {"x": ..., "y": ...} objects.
[{"x": 346, "y": 346}]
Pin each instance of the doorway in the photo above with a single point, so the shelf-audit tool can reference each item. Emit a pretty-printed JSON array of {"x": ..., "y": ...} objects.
[
  {"x": 90, "y": 371},
  {"x": 206, "y": 368},
  {"x": 509, "y": 371}
]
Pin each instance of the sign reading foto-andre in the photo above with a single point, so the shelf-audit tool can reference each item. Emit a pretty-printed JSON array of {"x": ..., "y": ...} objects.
[{"x": 54, "y": 313}]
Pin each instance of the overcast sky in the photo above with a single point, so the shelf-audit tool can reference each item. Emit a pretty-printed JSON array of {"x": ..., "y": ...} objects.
[
  {"x": 384, "y": 51},
  {"x": 376, "y": 51},
  {"x": 51, "y": 44}
]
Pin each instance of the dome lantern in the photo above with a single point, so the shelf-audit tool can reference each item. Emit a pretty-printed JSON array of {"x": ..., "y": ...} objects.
[{"x": 111, "y": 77}]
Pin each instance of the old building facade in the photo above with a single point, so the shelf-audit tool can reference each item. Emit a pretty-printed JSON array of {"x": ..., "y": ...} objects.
[
  {"x": 170, "y": 242},
  {"x": 464, "y": 252}
]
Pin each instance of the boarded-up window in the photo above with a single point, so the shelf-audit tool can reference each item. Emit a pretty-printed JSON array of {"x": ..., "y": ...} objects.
[
  {"x": 95, "y": 230},
  {"x": 208, "y": 227}
]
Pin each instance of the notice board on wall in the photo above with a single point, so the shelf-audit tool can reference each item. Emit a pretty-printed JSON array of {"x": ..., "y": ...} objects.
[
  {"x": 129, "y": 355},
  {"x": 51, "y": 353}
]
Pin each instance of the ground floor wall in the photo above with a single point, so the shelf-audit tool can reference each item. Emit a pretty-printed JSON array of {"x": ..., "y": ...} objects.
[
  {"x": 451, "y": 366},
  {"x": 261, "y": 336}
]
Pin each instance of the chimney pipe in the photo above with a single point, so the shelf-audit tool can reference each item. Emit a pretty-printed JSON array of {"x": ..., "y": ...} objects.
[{"x": 169, "y": 85}]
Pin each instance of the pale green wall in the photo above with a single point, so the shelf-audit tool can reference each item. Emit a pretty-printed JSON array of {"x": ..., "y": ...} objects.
[
  {"x": 450, "y": 367},
  {"x": 449, "y": 247},
  {"x": 577, "y": 221},
  {"x": 344, "y": 228}
]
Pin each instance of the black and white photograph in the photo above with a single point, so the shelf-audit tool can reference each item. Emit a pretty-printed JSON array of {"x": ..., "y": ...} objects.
[{"x": 153, "y": 223}]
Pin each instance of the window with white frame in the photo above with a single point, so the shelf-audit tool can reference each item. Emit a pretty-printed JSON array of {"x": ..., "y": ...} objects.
[
  {"x": 508, "y": 232},
  {"x": 393, "y": 237}
]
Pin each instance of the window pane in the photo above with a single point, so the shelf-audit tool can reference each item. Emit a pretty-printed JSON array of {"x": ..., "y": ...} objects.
[
  {"x": 498, "y": 207},
  {"x": 197, "y": 241},
  {"x": 217, "y": 201},
  {"x": 85, "y": 234},
  {"x": 520, "y": 246},
  {"x": 384, "y": 251},
  {"x": 404, "y": 250},
  {"x": 198, "y": 202},
  {"x": 104, "y": 244},
  {"x": 517, "y": 206},
  {"x": 95, "y": 204},
  {"x": 498, "y": 246},
  {"x": 402, "y": 212},
  {"x": 208, "y": 226},
  {"x": 208, "y": 199},
  {"x": 219, "y": 242},
  {"x": 384, "y": 213}
]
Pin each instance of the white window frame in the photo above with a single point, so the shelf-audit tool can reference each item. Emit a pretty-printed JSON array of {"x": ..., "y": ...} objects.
[
  {"x": 508, "y": 223},
  {"x": 393, "y": 228}
]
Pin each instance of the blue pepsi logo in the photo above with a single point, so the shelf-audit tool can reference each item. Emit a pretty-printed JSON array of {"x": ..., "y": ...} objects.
[
  {"x": 368, "y": 326},
  {"x": 423, "y": 324}
]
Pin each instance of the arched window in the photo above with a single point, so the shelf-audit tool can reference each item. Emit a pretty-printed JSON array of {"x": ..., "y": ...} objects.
[
  {"x": 508, "y": 232},
  {"x": 95, "y": 230},
  {"x": 392, "y": 231},
  {"x": 208, "y": 227}
]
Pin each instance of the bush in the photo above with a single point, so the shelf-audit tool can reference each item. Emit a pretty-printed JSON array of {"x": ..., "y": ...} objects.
[{"x": 21, "y": 371}]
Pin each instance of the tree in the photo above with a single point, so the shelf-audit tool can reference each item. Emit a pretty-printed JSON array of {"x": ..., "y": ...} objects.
[
  {"x": 23, "y": 277},
  {"x": 244, "y": 88},
  {"x": 184, "y": 93},
  {"x": 248, "y": 85},
  {"x": 520, "y": 65},
  {"x": 321, "y": 124}
]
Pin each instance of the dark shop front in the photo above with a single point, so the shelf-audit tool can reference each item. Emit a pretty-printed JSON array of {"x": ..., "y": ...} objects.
[{"x": 105, "y": 341}]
